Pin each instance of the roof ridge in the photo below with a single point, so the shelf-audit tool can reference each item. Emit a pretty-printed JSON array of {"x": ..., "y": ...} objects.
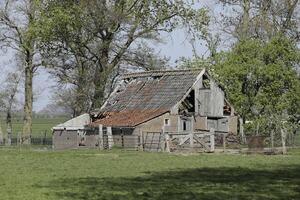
[{"x": 160, "y": 73}]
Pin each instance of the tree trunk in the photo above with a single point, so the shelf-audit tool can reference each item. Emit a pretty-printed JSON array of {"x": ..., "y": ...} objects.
[
  {"x": 272, "y": 139},
  {"x": 27, "y": 127},
  {"x": 99, "y": 83},
  {"x": 8, "y": 128},
  {"x": 265, "y": 7},
  {"x": 29, "y": 46},
  {"x": 102, "y": 73},
  {"x": 245, "y": 20},
  {"x": 82, "y": 91}
]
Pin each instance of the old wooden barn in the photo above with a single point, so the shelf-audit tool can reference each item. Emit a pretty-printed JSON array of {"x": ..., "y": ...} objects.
[{"x": 146, "y": 105}]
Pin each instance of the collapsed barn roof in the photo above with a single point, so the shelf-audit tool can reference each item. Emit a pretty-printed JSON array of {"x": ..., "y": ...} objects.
[{"x": 143, "y": 96}]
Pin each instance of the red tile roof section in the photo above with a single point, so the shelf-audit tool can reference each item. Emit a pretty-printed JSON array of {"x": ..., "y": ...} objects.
[{"x": 128, "y": 118}]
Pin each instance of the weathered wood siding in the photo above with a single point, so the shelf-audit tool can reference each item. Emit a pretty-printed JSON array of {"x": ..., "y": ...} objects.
[
  {"x": 233, "y": 124},
  {"x": 65, "y": 139},
  {"x": 91, "y": 141},
  {"x": 201, "y": 123},
  {"x": 211, "y": 101},
  {"x": 156, "y": 124},
  {"x": 223, "y": 124}
]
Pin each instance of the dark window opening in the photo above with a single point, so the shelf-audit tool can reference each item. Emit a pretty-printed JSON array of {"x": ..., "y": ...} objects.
[
  {"x": 184, "y": 126},
  {"x": 167, "y": 122}
]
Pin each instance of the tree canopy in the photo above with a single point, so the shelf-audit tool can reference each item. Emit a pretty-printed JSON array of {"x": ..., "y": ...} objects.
[
  {"x": 88, "y": 42},
  {"x": 260, "y": 80}
]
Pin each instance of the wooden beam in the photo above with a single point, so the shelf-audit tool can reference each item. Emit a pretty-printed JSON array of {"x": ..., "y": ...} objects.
[
  {"x": 183, "y": 140},
  {"x": 191, "y": 139},
  {"x": 202, "y": 142}
]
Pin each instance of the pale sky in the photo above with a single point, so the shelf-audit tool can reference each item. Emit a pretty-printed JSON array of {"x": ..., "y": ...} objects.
[{"x": 176, "y": 46}]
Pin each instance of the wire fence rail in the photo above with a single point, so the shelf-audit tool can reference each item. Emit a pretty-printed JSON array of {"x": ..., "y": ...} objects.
[{"x": 43, "y": 138}]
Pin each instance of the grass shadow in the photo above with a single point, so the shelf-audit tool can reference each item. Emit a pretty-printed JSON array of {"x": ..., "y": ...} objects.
[{"x": 199, "y": 183}]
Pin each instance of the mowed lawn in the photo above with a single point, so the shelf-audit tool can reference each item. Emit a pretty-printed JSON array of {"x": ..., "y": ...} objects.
[
  {"x": 39, "y": 125},
  {"x": 93, "y": 174}
]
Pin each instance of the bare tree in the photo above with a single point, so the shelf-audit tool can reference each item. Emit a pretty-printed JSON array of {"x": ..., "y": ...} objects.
[
  {"x": 17, "y": 19},
  {"x": 261, "y": 18}
]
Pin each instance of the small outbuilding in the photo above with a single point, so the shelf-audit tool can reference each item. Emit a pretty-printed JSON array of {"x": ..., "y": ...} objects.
[{"x": 71, "y": 133}]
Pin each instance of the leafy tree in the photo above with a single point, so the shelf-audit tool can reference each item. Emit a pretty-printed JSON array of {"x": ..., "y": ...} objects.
[
  {"x": 261, "y": 81},
  {"x": 17, "y": 32},
  {"x": 87, "y": 42}
]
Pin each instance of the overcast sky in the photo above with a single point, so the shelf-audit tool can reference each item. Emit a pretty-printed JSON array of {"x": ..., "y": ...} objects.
[{"x": 176, "y": 45}]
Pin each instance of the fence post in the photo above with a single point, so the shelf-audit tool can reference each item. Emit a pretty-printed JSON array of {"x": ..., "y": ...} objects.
[
  {"x": 100, "y": 143},
  {"x": 18, "y": 139},
  {"x": 45, "y": 137},
  {"x": 244, "y": 140},
  {"x": 163, "y": 143},
  {"x": 283, "y": 139},
  {"x": 212, "y": 140},
  {"x": 122, "y": 141},
  {"x": 167, "y": 138},
  {"x": 272, "y": 139},
  {"x": 224, "y": 142},
  {"x": 42, "y": 138},
  {"x": 141, "y": 141},
  {"x": 110, "y": 137}
]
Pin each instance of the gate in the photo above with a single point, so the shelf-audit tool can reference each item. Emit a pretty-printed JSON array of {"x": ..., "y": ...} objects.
[
  {"x": 195, "y": 141},
  {"x": 152, "y": 141}
]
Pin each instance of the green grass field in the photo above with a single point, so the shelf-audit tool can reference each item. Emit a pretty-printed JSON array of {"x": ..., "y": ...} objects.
[
  {"x": 92, "y": 174},
  {"x": 39, "y": 125}
]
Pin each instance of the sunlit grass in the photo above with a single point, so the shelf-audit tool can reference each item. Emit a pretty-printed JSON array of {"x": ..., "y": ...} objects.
[
  {"x": 92, "y": 174},
  {"x": 39, "y": 126}
]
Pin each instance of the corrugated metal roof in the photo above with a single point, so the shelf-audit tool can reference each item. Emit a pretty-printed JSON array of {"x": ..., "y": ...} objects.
[{"x": 146, "y": 95}]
